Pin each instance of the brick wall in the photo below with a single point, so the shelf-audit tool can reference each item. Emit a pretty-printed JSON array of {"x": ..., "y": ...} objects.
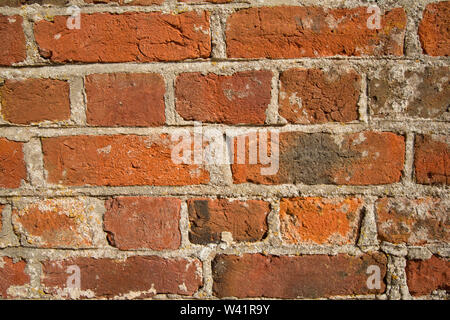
[{"x": 93, "y": 205}]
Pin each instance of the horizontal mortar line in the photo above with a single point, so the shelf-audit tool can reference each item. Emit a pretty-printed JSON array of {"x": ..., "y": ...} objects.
[
  {"x": 42, "y": 254},
  {"x": 213, "y": 62},
  {"x": 176, "y": 7},
  {"x": 401, "y": 127},
  {"x": 246, "y": 190},
  {"x": 105, "y": 252}
]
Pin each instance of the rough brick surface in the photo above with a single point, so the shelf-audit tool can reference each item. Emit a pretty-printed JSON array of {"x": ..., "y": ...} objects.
[
  {"x": 12, "y": 273},
  {"x": 241, "y": 98},
  {"x": 413, "y": 221},
  {"x": 135, "y": 277},
  {"x": 125, "y": 99},
  {"x": 203, "y": 149},
  {"x": 255, "y": 275},
  {"x": 56, "y": 223},
  {"x": 432, "y": 159},
  {"x": 294, "y": 32},
  {"x": 320, "y": 221},
  {"x": 143, "y": 223},
  {"x": 106, "y": 37},
  {"x": 434, "y": 31},
  {"x": 35, "y": 100},
  {"x": 116, "y": 160},
  {"x": 12, "y": 165},
  {"x": 12, "y": 48},
  {"x": 352, "y": 159},
  {"x": 425, "y": 276},
  {"x": 245, "y": 220},
  {"x": 313, "y": 96},
  {"x": 414, "y": 93}
]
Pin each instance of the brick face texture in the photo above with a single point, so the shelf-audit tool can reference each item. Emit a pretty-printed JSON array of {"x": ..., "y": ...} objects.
[
  {"x": 292, "y": 277},
  {"x": 116, "y": 161},
  {"x": 125, "y": 100},
  {"x": 311, "y": 96},
  {"x": 113, "y": 38},
  {"x": 110, "y": 278},
  {"x": 204, "y": 149},
  {"x": 294, "y": 32},
  {"x": 238, "y": 99},
  {"x": 353, "y": 159},
  {"x": 139, "y": 222},
  {"x": 434, "y": 32},
  {"x": 13, "y": 40},
  {"x": 12, "y": 165},
  {"x": 35, "y": 100}
]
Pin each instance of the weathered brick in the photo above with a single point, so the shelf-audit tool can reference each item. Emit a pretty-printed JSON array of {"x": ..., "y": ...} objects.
[
  {"x": 117, "y": 160},
  {"x": 12, "y": 47},
  {"x": 125, "y": 99},
  {"x": 293, "y": 32},
  {"x": 135, "y": 277},
  {"x": 35, "y": 100},
  {"x": 241, "y": 98},
  {"x": 105, "y": 37},
  {"x": 245, "y": 220},
  {"x": 432, "y": 159},
  {"x": 434, "y": 31},
  {"x": 412, "y": 92},
  {"x": 320, "y": 220},
  {"x": 312, "y": 96},
  {"x": 425, "y": 276},
  {"x": 365, "y": 158},
  {"x": 143, "y": 223},
  {"x": 12, "y": 273},
  {"x": 57, "y": 223},
  {"x": 311, "y": 276},
  {"x": 12, "y": 164},
  {"x": 413, "y": 221}
]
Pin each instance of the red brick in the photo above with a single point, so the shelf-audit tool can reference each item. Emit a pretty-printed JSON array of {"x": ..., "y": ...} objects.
[
  {"x": 56, "y": 223},
  {"x": 125, "y": 99},
  {"x": 310, "y": 96},
  {"x": 246, "y": 220},
  {"x": 105, "y": 37},
  {"x": 413, "y": 221},
  {"x": 12, "y": 47},
  {"x": 11, "y": 274},
  {"x": 35, "y": 100},
  {"x": 128, "y": 3},
  {"x": 320, "y": 220},
  {"x": 434, "y": 31},
  {"x": 425, "y": 276},
  {"x": 365, "y": 158},
  {"x": 432, "y": 159},
  {"x": 135, "y": 277},
  {"x": 313, "y": 276},
  {"x": 415, "y": 92},
  {"x": 12, "y": 164},
  {"x": 116, "y": 160},
  {"x": 241, "y": 98},
  {"x": 143, "y": 223},
  {"x": 294, "y": 32}
]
